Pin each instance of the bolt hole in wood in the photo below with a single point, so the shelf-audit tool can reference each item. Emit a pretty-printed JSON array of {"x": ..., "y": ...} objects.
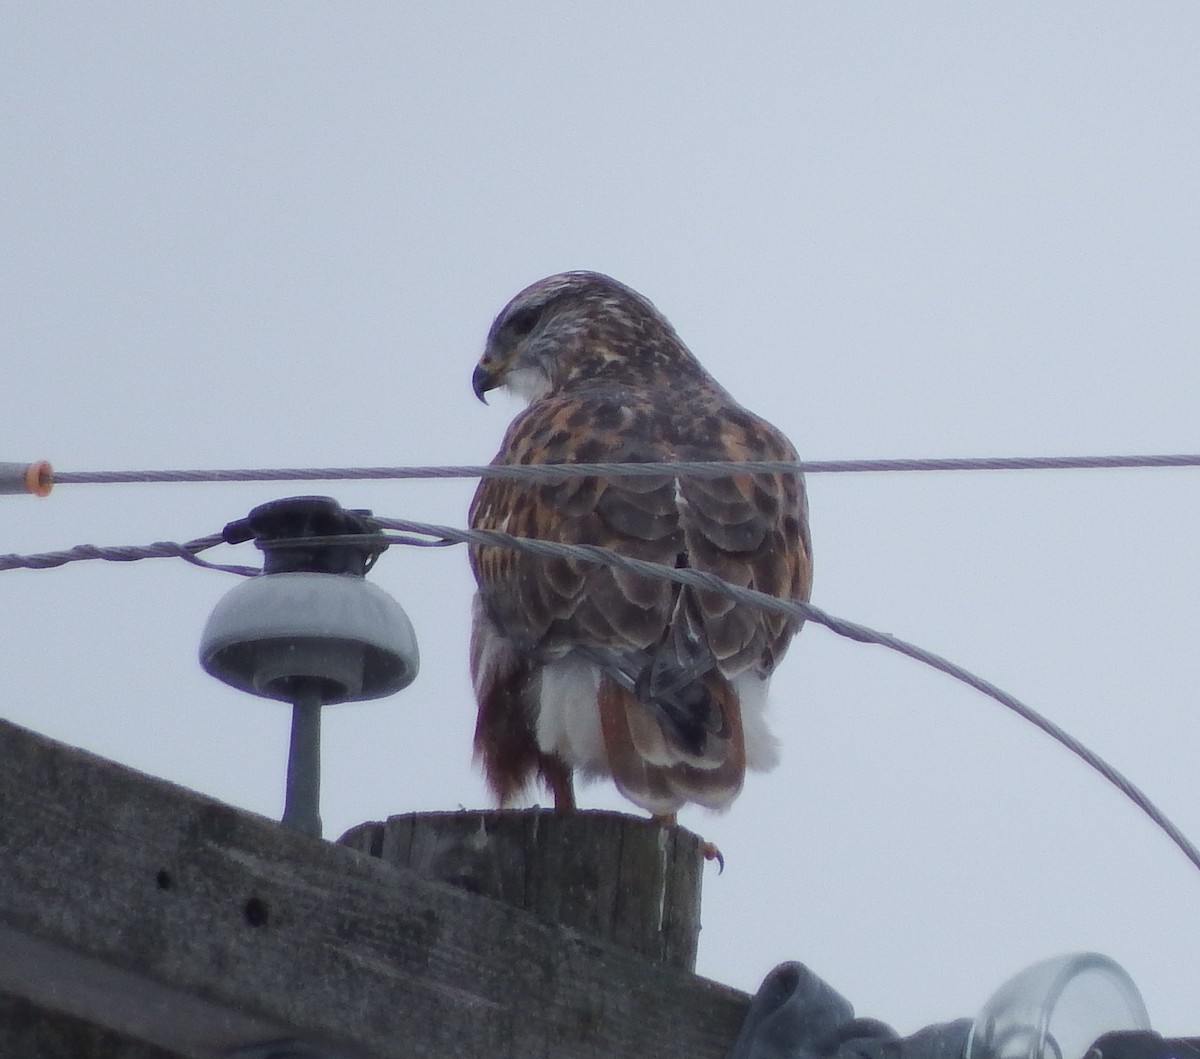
[{"x": 256, "y": 912}]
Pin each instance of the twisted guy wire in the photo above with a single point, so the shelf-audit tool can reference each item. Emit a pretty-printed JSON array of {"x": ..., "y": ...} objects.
[
  {"x": 436, "y": 534},
  {"x": 126, "y": 553}
]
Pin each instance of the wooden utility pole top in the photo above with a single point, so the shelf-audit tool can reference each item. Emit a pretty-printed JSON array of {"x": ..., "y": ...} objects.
[
  {"x": 613, "y": 877},
  {"x": 150, "y": 922}
]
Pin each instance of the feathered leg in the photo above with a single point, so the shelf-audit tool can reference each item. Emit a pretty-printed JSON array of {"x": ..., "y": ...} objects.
[{"x": 557, "y": 776}]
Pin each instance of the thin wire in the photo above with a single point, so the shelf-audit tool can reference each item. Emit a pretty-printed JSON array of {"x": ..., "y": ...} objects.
[
  {"x": 681, "y": 576},
  {"x": 806, "y": 611},
  {"x": 127, "y": 554},
  {"x": 561, "y": 471}
]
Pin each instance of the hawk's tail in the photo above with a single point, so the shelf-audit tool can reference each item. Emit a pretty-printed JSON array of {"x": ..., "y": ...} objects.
[{"x": 659, "y": 768}]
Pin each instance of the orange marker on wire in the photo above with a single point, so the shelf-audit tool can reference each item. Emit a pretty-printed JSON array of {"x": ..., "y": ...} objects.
[{"x": 36, "y": 478}]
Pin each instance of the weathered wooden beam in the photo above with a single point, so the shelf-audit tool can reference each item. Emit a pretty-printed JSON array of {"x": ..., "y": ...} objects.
[
  {"x": 154, "y": 912},
  {"x": 28, "y": 1031}
]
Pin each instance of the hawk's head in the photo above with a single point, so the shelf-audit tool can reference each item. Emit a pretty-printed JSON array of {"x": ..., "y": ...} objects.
[{"x": 575, "y": 327}]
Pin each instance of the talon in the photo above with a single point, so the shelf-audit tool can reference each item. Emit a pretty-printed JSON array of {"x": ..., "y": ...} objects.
[
  {"x": 709, "y": 849},
  {"x": 712, "y": 853}
]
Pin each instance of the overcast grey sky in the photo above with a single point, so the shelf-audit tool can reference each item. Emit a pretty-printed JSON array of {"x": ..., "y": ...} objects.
[{"x": 264, "y": 234}]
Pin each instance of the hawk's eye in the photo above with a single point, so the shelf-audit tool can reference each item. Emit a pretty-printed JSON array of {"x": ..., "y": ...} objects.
[{"x": 523, "y": 321}]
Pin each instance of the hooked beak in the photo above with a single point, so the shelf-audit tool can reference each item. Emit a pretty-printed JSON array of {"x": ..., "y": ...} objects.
[{"x": 483, "y": 380}]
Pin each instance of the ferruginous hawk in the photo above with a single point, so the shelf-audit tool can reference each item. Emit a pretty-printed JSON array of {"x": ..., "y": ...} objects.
[{"x": 583, "y": 668}]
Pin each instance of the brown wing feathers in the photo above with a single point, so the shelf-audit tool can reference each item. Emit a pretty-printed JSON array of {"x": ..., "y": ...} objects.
[{"x": 649, "y": 631}]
